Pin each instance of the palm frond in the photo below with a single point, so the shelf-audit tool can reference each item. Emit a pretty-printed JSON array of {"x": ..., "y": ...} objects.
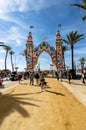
[
  {"x": 84, "y": 18},
  {"x": 81, "y": 6}
]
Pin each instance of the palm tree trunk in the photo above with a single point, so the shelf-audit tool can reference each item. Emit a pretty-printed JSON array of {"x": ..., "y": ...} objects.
[
  {"x": 72, "y": 56},
  {"x": 6, "y": 61},
  {"x": 12, "y": 64},
  {"x": 73, "y": 71},
  {"x": 64, "y": 63},
  {"x": 64, "y": 60}
]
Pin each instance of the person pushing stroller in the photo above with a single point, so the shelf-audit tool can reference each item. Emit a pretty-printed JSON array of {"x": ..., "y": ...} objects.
[{"x": 42, "y": 82}]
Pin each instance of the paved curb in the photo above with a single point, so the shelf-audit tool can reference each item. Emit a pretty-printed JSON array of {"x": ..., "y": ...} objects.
[
  {"x": 8, "y": 88},
  {"x": 81, "y": 97}
]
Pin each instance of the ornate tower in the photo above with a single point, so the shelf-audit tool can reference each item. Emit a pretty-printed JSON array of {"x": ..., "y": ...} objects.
[
  {"x": 59, "y": 54},
  {"x": 29, "y": 52}
]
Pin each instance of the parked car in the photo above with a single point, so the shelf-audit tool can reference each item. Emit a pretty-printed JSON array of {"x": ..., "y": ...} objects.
[{"x": 14, "y": 76}]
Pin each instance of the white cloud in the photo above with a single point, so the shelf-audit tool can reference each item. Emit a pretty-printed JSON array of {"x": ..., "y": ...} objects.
[
  {"x": 7, "y": 5},
  {"x": 2, "y": 51},
  {"x": 17, "y": 35},
  {"x": 26, "y": 5},
  {"x": 7, "y": 17},
  {"x": 13, "y": 35},
  {"x": 80, "y": 51}
]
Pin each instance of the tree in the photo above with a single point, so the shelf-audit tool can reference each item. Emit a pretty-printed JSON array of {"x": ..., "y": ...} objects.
[
  {"x": 72, "y": 38},
  {"x": 24, "y": 53},
  {"x": 2, "y": 44},
  {"x": 7, "y": 48},
  {"x": 82, "y": 62},
  {"x": 83, "y": 6},
  {"x": 12, "y": 53}
]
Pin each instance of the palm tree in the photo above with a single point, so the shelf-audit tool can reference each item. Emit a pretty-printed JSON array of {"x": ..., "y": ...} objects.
[
  {"x": 83, "y": 6},
  {"x": 2, "y": 44},
  {"x": 12, "y": 53},
  {"x": 7, "y": 48},
  {"x": 24, "y": 53},
  {"x": 82, "y": 62},
  {"x": 72, "y": 38}
]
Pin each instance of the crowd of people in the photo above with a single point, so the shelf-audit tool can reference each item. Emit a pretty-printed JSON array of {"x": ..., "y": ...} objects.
[
  {"x": 59, "y": 75},
  {"x": 36, "y": 77},
  {"x": 40, "y": 77},
  {"x": 69, "y": 75}
]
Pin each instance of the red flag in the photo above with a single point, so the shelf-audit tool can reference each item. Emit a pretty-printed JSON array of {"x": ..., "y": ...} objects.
[{"x": 31, "y": 26}]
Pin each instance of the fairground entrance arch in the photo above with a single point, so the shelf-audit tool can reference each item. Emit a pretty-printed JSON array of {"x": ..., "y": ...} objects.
[
  {"x": 45, "y": 47},
  {"x": 32, "y": 54}
]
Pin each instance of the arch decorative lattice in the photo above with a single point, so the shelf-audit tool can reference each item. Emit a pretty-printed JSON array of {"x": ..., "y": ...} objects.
[{"x": 34, "y": 53}]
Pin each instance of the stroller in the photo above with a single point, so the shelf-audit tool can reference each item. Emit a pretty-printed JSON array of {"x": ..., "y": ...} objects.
[{"x": 43, "y": 82}]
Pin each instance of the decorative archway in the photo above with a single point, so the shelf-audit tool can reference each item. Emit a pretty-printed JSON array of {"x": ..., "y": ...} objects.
[
  {"x": 34, "y": 53},
  {"x": 44, "y": 46}
]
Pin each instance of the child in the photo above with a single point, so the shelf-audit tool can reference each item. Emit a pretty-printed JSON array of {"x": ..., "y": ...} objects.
[{"x": 19, "y": 78}]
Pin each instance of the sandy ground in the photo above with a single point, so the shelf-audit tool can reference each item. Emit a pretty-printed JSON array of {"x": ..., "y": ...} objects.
[{"x": 25, "y": 107}]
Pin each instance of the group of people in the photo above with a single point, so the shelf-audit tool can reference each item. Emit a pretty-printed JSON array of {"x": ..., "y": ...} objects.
[
  {"x": 59, "y": 75},
  {"x": 40, "y": 80}
]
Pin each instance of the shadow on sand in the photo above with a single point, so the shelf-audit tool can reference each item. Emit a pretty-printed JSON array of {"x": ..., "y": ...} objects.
[
  {"x": 14, "y": 102},
  {"x": 55, "y": 93},
  {"x": 82, "y": 84},
  {"x": 2, "y": 86},
  {"x": 23, "y": 83}
]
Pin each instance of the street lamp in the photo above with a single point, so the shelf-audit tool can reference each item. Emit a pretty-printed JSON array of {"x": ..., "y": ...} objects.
[{"x": 51, "y": 66}]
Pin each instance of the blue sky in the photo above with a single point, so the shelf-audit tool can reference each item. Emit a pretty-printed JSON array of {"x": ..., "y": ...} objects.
[{"x": 17, "y": 15}]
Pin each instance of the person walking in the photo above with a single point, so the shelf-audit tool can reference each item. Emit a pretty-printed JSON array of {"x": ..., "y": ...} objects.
[
  {"x": 19, "y": 77},
  {"x": 37, "y": 78},
  {"x": 60, "y": 75},
  {"x": 42, "y": 80},
  {"x": 69, "y": 77},
  {"x": 83, "y": 76},
  {"x": 31, "y": 77},
  {"x": 56, "y": 75}
]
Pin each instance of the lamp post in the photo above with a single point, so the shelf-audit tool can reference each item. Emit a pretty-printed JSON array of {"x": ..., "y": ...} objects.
[
  {"x": 16, "y": 68},
  {"x": 51, "y": 66}
]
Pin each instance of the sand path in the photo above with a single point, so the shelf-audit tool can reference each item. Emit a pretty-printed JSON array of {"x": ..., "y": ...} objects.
[{"x": 25, "y": 107}]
